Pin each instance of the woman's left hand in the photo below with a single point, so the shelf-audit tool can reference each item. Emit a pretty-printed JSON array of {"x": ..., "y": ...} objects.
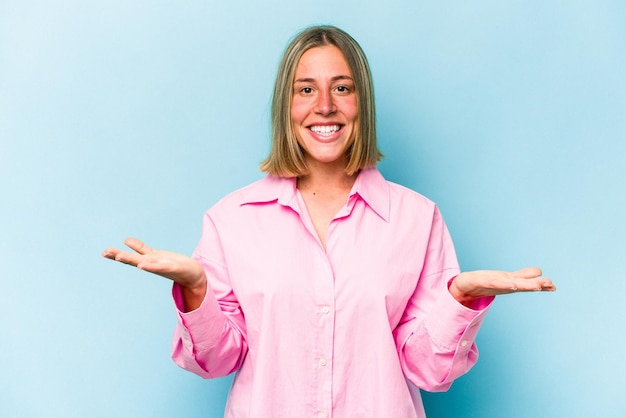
[{"x": 471, "y": 285}]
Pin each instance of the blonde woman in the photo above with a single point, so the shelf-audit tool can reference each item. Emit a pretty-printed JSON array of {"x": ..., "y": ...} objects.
[{"x": 330, "y": 291}]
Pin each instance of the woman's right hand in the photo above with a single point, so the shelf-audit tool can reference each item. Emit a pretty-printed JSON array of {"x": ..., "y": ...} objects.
[{"x": 183, "y": 270}]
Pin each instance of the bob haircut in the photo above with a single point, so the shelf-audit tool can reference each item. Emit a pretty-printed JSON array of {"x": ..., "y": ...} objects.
[{"x": 286, "y": 158}]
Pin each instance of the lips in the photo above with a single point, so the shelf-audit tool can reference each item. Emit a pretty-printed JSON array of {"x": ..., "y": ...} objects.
[{"x": 325, "y": 130}]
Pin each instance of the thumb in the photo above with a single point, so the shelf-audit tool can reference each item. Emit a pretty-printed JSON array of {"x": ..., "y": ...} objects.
[
  {"x": 137, "y": 245},
  {"x": 527, "y": 273}
]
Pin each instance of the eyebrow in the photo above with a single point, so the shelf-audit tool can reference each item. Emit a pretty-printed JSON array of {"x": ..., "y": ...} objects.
[{"x": 335, "y": 78}]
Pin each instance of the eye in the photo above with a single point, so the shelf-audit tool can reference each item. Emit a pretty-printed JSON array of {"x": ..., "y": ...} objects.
[
  {"x": 343, "y": 89},
  {"x": 306, "y": 90}
]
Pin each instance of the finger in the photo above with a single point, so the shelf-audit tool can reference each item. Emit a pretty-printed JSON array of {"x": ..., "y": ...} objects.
[
  {"x": 527, "y": 285},
  {"x": 110, "y": 253},
  {"x": 127, "y": 257},
  {"x": 527, "y": 273},
  {"x": 533, "y": 285},
  {"x": 548, "y": 286},
  {"x": 137, "y": 245},
  {"x": 163, "y": 268}
]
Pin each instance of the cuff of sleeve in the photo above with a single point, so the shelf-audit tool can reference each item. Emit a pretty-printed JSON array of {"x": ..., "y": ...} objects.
[
  {"x": 200, "y": 327},
  {"x": 449, "y": 321}
]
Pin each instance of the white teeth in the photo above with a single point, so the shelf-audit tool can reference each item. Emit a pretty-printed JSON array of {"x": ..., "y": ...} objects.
[{"x": 325, "y": 130}]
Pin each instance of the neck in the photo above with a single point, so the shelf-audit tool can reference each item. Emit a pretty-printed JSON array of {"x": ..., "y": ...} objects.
[{"x": 322, "y": 178}]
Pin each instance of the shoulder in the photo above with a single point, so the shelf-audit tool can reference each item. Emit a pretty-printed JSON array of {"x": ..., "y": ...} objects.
[
  {"x": 390, "y": 200},
  {"x": 407, "y": 195},
  {"x": 265, "y": 190},
  {"x": 405, "y": 199},
  {"x": 411, "y": 206}
]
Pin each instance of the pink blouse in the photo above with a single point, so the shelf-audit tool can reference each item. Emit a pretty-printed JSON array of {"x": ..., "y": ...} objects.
[{"x": 352, "y": 331}]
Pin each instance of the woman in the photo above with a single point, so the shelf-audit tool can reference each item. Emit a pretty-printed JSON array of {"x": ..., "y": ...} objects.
[{"x": 330, "y": 291}]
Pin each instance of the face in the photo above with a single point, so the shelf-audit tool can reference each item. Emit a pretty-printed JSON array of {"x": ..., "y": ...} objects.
[{"x": 324, "y": 108}]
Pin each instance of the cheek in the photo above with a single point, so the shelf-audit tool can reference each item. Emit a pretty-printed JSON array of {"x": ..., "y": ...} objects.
[
  {"x": 350, "y": 109},
  {"x": 298, "y": 111}
]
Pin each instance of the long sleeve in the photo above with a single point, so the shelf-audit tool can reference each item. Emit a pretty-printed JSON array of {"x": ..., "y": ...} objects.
[
  {"x": 335, "y": 331},
  {"x": 435, "y": 337},
  {"x": 210, "y": 341}
]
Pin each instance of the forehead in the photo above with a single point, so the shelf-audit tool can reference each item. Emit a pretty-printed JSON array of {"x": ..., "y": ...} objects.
[{"x": 322, "y": 60}]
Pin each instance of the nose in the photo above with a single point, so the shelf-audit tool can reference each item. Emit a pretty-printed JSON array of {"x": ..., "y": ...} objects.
[{"x": 325, "y": 104}]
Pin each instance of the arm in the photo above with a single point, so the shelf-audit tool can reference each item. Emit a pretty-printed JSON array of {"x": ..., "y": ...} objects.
[
  {"x": 437, "y": 346},
  {"x": 209, "y": 339},
  {"x": 182, "y": 270},
  {"x": 435, "y": 338},
  {"x": 472, "y": 285}
]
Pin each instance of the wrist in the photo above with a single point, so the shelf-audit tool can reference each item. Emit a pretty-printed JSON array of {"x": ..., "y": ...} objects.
[
  {"x": 460, "y": 296},
  {"x": 193, "y": 295}
]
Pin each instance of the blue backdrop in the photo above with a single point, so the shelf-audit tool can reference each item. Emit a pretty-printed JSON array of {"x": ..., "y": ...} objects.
[{"x": 123, "y": 118}]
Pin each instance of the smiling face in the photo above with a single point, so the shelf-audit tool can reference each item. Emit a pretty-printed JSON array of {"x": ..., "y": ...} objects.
[{"x": 324, "y": 108}]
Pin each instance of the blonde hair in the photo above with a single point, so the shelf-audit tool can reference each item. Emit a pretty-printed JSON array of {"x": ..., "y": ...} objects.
[{"x": 286, "y": 158}]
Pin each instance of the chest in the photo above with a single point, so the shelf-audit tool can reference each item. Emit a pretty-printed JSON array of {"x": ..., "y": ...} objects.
[
  {"x": 275, "y": 260},
  {"x": 321, "y": 210}
]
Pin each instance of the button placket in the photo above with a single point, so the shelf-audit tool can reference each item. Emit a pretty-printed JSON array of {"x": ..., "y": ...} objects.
[{"x": 324, "y": 287}]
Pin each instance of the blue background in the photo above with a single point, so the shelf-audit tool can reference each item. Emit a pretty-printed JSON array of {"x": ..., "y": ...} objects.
[{"x": 123, "y": 118}]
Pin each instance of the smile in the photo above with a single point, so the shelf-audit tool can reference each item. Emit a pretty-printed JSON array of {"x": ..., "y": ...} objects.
[{"x": 325, "y": 130}]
